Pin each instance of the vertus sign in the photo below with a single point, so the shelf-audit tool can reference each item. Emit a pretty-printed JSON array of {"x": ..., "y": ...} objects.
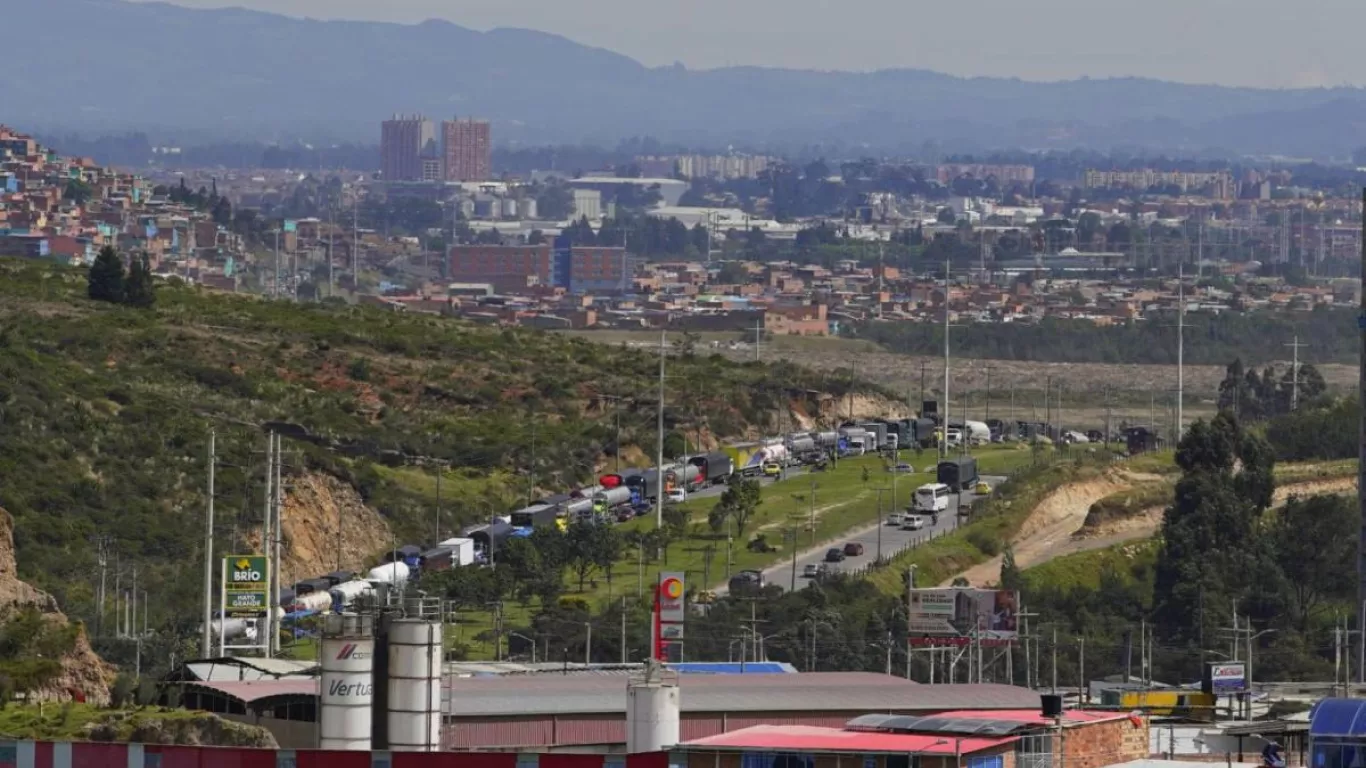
[{"x": 340, "y": 689}]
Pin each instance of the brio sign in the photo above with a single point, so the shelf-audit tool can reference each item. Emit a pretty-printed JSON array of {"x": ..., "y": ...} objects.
[{"x": 246, "y": 572}]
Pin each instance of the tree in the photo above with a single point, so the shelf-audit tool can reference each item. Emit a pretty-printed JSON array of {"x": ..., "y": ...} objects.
[
  {"x": 738, "y": 505},
  {"x": 676, "y": 520},
  {"x": 591, "y": 547},
  {"x": 1314, "y": 543},
  {"x": 140, "y": 288},
  {"x": 105, "y": 281},
  {"x": 1212, "y": 553},
  {"x": 1011, "y": 575}
]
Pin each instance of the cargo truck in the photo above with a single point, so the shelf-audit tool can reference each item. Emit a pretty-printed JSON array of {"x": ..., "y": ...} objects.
[
  {"x": 748, "y": 458},
  {"x": 644, "y": 486},
  {"x": 826, "y": 440},
  {"x": 535, "y": 516},
  {"x": 462, "y": 551},
  {"x": 716, "y": 467},
  {"x": 959, "y": 473},
  {"x": 879, "y": 433},
  {"x": 799, "y": 444},
  {"x": 856, "y": 440}
]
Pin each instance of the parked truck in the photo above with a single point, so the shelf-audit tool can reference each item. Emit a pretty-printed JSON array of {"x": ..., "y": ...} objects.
[
  {"x": 609, "y": 498},
  {"x": 827, "y": 440},
  {"x": 959, "y": 473},
  {"x": 879, "y": 432},
  {"x": 800, "y": 443},
  {"x": 684, "y": 476},
  {"x": 856, "y": 440},
  {"x": 716, "y": 467},
  {"x": 748, "y": 458},
  {"x": 535, "y": 516},
  {"x": 644, "y": 486},
  {"x": 462, "y": 551}
]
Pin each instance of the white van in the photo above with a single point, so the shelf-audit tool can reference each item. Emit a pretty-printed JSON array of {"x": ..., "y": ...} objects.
[{"x": 932, "y": 497}]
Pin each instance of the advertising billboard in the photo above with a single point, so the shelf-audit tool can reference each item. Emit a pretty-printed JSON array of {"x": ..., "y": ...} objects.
[
  {"x": 245, "y": 586},
  {"x": 947, "y": 615},
  {"x": 671, "y": 591},
  {"x": 1223, "y": 678}
]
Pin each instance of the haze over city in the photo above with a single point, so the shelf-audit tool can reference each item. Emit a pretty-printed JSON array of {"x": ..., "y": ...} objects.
[{"x": 1251, "y": 43}]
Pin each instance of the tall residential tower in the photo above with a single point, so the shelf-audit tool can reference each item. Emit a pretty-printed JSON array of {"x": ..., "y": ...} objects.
[
  {"x": 405, "y": 141},
  {"x": 468, "y": 149}
]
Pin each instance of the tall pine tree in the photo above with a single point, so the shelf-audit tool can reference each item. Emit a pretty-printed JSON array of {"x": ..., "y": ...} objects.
[
  {"x": 106, "y": 279},
  {"x": 140, "y": 291}
]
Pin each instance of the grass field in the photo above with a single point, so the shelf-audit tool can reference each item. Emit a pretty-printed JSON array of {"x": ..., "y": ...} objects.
[{"x": 1138, "y": 394}]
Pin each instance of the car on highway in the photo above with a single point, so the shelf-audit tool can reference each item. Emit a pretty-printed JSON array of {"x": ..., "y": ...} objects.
[
  {"x": 678, "y": 495},
  {"x": 811, "y": 571},
  {"x": 912, "y": 522},
  {"x": 853, "y": 549},
  {"x": 894, "y": 518},
  {"x": 834, "y": 555},
  {"x": 903, "y": 469},
  {"x": 772, "y": 469},
  {"x": 982, "y": 489}
]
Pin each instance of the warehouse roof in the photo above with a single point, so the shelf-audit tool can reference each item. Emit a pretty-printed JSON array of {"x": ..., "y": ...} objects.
[
  {"x": 234, "y": 668},
  {"x": 857, "y": 692},
  {"x": 250, "y": 691},
  {"x": 801, "y": 738}
]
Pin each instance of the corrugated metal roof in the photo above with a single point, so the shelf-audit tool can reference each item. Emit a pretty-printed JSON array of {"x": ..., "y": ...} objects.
[
  {"x": 854, "y": 692},
  {"x": 255, "y": 690},
  {"x": 799, "y": 738},
  {"x": 241, "y": 669}
]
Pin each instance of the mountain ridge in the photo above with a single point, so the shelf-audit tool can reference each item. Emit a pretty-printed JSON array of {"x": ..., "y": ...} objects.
[{"x": 237, "y": 73}]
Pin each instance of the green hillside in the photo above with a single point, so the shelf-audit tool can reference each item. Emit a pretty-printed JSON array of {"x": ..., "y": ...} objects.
[{"x": 106, "y": 412}]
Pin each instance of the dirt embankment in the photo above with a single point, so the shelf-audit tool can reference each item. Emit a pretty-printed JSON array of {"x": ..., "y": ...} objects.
[
  {"x": 83, "y": 672},
  {"x": 326, "y": 526},
  {"x": 1062, "y": 524},
  {"x": 1049, "y": 527}
]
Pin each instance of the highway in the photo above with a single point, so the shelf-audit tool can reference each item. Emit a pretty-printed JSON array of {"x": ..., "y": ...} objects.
[{"x": 893, "y": 540}]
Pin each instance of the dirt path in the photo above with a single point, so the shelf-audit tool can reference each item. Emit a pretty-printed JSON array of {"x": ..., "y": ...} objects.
[
  {"x": 1048, "y": 527},
  {"x": 1055, "y": 529}
]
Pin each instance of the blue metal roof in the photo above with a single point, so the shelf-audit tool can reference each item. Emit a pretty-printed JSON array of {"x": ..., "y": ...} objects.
[
  {"x": 1338, "y": 717},
  {"x": 733, "y": 668}
]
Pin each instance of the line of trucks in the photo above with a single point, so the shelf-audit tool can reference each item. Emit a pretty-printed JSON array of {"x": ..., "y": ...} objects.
[{"x": 616, "y": 497}]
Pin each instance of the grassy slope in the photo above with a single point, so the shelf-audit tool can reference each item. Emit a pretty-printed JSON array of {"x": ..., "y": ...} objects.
[{"x": 106, "y": 412}]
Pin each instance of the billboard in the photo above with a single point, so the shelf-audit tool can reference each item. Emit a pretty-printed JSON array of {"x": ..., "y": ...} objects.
[
  {"x": 245, "y": 585},
  {"x": 1223, "y": 678},
  {"x": 948, "y": 615},
  {"x": 671, "y": 590}
]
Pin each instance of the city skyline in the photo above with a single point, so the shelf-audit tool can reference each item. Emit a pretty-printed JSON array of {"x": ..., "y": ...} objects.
[{"x": 1215, "y": 43}]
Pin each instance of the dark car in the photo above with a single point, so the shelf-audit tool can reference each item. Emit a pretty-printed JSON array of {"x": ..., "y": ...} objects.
[
  {"x": 834, "y": 555},
  {"x": 853, "y": 549}
]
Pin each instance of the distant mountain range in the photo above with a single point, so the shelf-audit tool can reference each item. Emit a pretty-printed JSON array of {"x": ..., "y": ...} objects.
[{"x": 105, "y": 66}]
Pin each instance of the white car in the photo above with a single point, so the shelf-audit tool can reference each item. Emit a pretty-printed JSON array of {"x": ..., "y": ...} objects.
[
  {"x": 894, "y": 518},
  {"x": 912, "y": 523},
  {"x": 678, "y": 494}
]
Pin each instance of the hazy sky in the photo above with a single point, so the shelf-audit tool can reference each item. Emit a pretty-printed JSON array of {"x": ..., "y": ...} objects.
[{"x": 1234, "y": 42}]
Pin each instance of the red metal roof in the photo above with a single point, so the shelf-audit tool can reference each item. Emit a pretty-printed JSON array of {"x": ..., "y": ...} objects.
[{"x": 801, "y": 738}]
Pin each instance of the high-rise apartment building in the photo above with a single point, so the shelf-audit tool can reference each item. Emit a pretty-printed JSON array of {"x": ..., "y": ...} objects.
[
  {"x": 405, "y": 141},
  {"x": 468, "y": 150}
]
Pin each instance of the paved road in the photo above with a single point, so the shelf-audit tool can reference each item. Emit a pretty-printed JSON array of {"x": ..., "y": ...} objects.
[
  {"x": 893, "y": 540},
  {"x": 717, "y": 490}
]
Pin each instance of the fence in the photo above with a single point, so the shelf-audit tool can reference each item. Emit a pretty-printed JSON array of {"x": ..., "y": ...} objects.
[{"x": 66, "y": 754}]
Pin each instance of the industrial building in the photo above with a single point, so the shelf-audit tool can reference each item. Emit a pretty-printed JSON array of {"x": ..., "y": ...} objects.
[
  {"x": 577, "y": 269},
  {"x": 549, "y": 711}
]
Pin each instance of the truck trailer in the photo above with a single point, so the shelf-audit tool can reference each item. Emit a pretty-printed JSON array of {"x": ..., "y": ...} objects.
[
  {"x": 959, "y": 473},
  {"x": 716, "y": 467}
]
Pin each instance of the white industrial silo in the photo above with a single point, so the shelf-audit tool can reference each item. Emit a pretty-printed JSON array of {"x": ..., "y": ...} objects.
[
  {"x": 414, "y": 685},
  {"x": 348, "y": 653},
  {"x": 652, "y": 707}
]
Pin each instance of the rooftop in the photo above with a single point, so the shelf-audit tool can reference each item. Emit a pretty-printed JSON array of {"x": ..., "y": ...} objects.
[{"x": 800, "y": 738}]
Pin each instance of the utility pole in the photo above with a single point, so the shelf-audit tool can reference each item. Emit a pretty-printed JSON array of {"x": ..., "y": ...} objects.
[
  {"x": 880, "y": 491},
  {"x": 659, "y": 447},
  {"x": 275, "y": 283},
  {"x": 440, "y": 470},
  {"x": 588, "y": 644},
  {"x": 206, "y": 639},
  {"x": 987, "y": 416},
  {"x": 1295, "y": 372},
  {"x": 269, "y": 621},
  {"x": 922, "y": 386},
  {"x": 758, "y": 338},
  {"x": 813, "y": 510},
  {"x": 1180, "y": 349},
  {"x": 1361, "y": 449},
  {"x": 273, "y": 599},
  {"x": 944, "y": 443}
]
